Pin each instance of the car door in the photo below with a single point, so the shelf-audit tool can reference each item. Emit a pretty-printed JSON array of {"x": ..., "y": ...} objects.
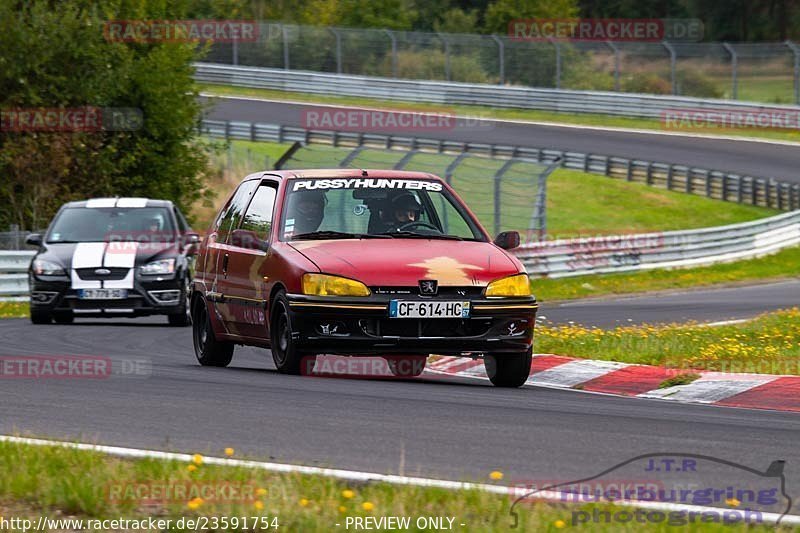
[
  {"x": 249, "y": 267},
  {"x": 218, "y": 254}
]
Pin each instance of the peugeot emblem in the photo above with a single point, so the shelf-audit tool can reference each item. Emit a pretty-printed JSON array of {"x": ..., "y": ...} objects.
[
  {"x": 102, "y": 271},
  {"x": 428, "y": 287}
]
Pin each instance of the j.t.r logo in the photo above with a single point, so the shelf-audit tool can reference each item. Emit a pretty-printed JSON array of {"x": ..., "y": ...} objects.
[{"x": 428, "y": 287}]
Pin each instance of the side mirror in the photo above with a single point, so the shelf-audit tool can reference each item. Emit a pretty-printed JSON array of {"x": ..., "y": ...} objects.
[
  {"x": 507, "y": 240},
  {"x": 34, "y": 239},
  {"x": 190, "y": 238},
  {"x": 243, "y": 238}
]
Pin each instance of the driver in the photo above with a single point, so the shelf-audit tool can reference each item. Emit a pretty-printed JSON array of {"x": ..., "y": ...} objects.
[
  {"x": 309, "y": 210},
  {"x": 404, "y": 209}
]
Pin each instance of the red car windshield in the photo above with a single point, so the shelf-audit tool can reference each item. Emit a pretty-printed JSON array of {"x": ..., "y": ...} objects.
[{"x": 374, "y": 207}]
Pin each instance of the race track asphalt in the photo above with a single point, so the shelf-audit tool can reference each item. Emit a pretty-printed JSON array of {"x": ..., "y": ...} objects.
[
  {"x": 700, "y": 305},
  {"x": 448, "y": 428},
  {"x": 433, "y": 427},
  {"x": 759, "y": 159}
]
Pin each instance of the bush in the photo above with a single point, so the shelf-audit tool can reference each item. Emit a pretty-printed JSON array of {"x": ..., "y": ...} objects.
[
  {"x": 694, "y": 83},
  {"x": 430, "y": 65},
  {"x": 646, "y": 83}
]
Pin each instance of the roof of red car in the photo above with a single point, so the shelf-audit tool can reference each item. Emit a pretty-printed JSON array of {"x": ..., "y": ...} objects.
[{"x": 351, "y": 172}]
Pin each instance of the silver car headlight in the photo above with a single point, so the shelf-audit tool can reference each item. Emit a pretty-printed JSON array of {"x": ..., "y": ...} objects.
[
  {"x": 42, "y": 267},
  {"x": 163, "y": 266}
]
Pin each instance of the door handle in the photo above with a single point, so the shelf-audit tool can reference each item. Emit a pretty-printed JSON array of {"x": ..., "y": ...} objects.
[{"x": 225, "y": 264}]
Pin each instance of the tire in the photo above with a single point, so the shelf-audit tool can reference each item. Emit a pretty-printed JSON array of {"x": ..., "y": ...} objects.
[
  {"x": 183, "y": 318},
  {"x": 406, "y": 366},
  {"x": 64, "y": 318},
  {"x": 41, "y": 317},
  {"x": 509, "y": 370},
  {"x": 208, "y": 350},
  {"x": 282, "y": 345}
]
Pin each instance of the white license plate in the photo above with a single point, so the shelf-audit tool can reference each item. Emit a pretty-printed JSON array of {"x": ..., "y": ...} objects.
[
  {"x": 102, "y": 294},
  {"x": 428, "y": 309}
]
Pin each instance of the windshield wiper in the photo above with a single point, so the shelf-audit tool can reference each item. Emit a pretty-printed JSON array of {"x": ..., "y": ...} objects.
[
  {"x": 327, "y": 234},
  {"x": 414, "y": 235}
]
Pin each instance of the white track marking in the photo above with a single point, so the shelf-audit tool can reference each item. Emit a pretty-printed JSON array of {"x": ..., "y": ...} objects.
[
  {"x": 574, "y": 373},
  {"x": 520, "y": 121},
  {"x": 355, "y": 475},
  {"x": 711, "y": 388}
]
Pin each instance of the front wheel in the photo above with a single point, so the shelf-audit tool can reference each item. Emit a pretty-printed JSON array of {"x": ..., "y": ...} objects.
[
  {"x": 182, "y": 318},
  {"x": 508, "y": 370},
  {"x": 282, "y": 342},
  {"x": 208, "y": 350},
  {"x": 41, "y": 317},
  {"x": 64, "y": 317}
]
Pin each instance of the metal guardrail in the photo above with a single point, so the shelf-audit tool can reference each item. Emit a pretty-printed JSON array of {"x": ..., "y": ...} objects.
[
  {"x": 13, "y": 273},
  {"x": 628, "y": 253},
  {"x": 705, "y": 182},
  {"x": 676, "y": 65},
  {"x": 574, "y": 257},
  {"x": 452, "y": 93}
]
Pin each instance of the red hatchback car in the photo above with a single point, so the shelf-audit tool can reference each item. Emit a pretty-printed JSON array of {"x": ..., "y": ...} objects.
[{"x": 359, "y": 262}]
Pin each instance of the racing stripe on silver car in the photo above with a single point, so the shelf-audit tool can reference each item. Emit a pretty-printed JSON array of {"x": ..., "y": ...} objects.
[
  {"x": 121, "y": 254},
  {"x": 86, "y": 255}
]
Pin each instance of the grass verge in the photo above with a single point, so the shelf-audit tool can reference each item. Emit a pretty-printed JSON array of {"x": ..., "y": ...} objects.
[
  {"x": 63, "y": 483},
  {"x": 491, "y": 112},
  {"x": 14, "y": 309},
  {"x": 605, "y": 206},
  {"x": 769, "y": 344},
  {"x": 782, "y": 264}
]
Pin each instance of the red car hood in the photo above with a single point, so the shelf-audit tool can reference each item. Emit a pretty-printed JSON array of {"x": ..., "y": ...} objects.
[{"x": 403, "y": 262}]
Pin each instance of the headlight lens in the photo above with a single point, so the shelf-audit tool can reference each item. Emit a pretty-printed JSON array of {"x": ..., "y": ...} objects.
[
  {"x": 47, "y": 268},
  {"x": 164, "y": 266},
  {"x": 325, "y": 285},
  {"x": 517, "y": 285}
]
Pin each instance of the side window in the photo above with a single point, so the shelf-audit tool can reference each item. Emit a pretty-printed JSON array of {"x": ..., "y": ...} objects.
[
  {"x": 258, "y": 217},
  {"x": 229, "y": 218},
  {"x": 183, "y": 226}
]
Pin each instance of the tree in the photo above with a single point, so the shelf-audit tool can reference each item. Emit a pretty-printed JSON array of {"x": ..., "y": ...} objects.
[
  {"x": 54, "y": 55},
  {"x": 500, "y": 13}
]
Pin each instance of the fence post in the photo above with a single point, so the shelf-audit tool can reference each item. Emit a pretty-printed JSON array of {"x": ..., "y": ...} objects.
[
  {"x": 285, "y": 36},
  {"x": 796, "y": 51},
  {"x": 558, "y": 61},
  {"x": 734, "y": 70},
  {"x": 235, "y": 49},
  {"x": 393, "y": 38},
  {"x": 673, "y": 59},
  {"x": 498, "y": 178},
  {"x": 446, "y": 43},
  {"x": 615, "y": 49},
  {"x": 451, "y": 168},
  {"x": 338, "y": 37},
  {"x": 501, "y": 48}
]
